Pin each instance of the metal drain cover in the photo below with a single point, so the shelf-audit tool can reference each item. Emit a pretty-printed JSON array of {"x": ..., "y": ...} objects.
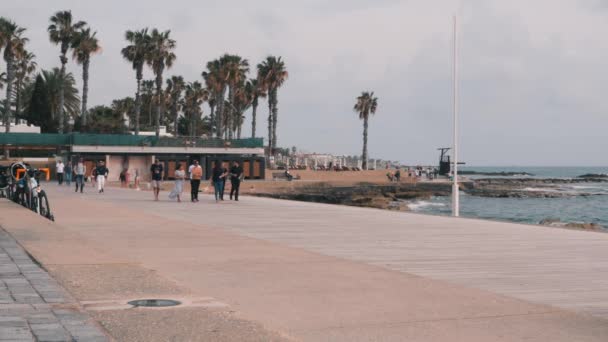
[{"x": 154, "y": 302}]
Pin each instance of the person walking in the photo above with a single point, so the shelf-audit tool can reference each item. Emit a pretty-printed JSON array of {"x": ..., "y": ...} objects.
[
  {"x": 68, "y": 173},
  {"x": 236, "y": 172},
  {"x": 157, "y": 176},
  {"x": 102, "y": 173},
  {"x": 60, "y": 168},
  {"x": 217, "y": 180},
  {"x": 79, "y": 171},
  {"x": 196, "y": 173},
  {"x": 180, "y": 175},
  {"x": 224, "y": 181}
]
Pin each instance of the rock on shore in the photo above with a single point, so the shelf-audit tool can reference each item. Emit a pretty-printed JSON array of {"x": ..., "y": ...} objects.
[
  {"x": 528, "y": 187},
  {"x": 363, "y": 195},
  {"x": 575, "y": 225}
]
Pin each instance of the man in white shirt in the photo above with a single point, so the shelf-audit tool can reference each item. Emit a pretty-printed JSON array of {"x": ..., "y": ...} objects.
[{"x": 60, "y": 168}]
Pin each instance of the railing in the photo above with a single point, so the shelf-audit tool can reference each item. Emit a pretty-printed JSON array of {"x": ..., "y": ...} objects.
[{"x": 50, "y": 139}]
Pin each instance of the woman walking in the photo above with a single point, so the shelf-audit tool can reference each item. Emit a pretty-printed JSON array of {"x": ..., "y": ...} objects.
[{"x": 180, "y": 175}]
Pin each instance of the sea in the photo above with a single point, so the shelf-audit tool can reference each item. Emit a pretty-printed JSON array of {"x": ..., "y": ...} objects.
[{"x": 583, "y": 209}]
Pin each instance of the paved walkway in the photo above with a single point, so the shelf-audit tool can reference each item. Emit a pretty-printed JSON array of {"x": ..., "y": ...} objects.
[
  {"x": 322, "y": 272},
  {"x": 33, "y": 307}
]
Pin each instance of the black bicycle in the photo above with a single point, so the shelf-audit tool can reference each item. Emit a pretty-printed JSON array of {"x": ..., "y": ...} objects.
[{"x": 27, "y": 190}]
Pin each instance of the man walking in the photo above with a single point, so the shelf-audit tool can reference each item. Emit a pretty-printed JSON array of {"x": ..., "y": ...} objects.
[
  {"x": 236, "y": 172},
  {"x": 102, "y": 173},
  {"x": 218, "y": 176},
  {"x": 79, "y": 171},
  {"x": 60, "y": 168},
  {"x": 196, "y": 173},
  {"x": 157, "y": 176}
]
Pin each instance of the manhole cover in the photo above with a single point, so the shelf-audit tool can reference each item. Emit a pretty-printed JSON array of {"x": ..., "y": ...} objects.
[{"x": 154, "y": 302}]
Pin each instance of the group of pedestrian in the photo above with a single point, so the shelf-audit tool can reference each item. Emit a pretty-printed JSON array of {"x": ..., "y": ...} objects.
[
  {"x": 78, "y": 172},
  {"x": 219, "y": 175}
]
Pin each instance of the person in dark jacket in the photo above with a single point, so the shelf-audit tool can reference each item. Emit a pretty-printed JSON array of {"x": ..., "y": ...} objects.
[
  {"x": 218, "y": 176},
  {"x": 102, "y": 173},
  {"x": 236, "y": 172}
]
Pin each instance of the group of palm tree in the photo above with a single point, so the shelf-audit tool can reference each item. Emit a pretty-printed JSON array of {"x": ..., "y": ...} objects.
[
  {"x": 227, "y": 89},
  {"x": 20, "y": 65}
]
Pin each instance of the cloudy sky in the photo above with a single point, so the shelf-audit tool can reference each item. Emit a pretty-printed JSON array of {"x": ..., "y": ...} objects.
[{"x": 533, "y": 72}]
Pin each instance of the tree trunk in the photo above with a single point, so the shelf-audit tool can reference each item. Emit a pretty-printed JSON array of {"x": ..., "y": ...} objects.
[
  {"x": 269, "y": 124},
  {"x": 212, "y": 119},
  {"x": 7, "y": 106},
  {"x": 19, "y": 85},
  {"x": 9, "y": 93},
  {"x": 220, "y": 113},
  {"x": 275, "y": 112},
  {"x": 231, "y": 113},
  {"x": 254, "y": 106},
  {"x": 85, "y": 93},
  {"x": 64, "y": 60},
  {"x": 175, "y": 116},
  {"x": 159, "y": 87},
  {"x": 139, "y": 76},
  {"x": 364, "y": 155}
]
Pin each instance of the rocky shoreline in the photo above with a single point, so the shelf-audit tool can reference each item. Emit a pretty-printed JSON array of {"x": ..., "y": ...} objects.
[
  {"x": 530, "y": 187},
  {"x": 392, "y": 197}
]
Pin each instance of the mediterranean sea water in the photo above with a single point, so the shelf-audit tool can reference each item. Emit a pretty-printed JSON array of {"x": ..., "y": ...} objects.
[{"x": 588, "y": 209}]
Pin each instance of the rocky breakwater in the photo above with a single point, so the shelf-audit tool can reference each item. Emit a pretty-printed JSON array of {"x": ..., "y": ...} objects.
[
  {"x": 389, "y": 196},
  {"x": 572, "y": 225},
  {"x": 531, "y": 187}
]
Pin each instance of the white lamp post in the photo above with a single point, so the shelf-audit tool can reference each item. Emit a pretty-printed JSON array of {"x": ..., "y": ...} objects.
[{"x": 455, "y": 195}]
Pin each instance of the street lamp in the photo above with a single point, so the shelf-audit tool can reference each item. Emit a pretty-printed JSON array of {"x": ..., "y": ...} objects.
[{"x": 455, "y": 189}]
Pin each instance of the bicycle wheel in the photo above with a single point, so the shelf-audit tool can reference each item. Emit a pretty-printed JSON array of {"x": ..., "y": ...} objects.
[{"x": 45, "y": 209}]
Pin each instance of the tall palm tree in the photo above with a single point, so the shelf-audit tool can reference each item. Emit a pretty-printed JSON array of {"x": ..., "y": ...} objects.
[
  {"x": 366, "y": 105},
  {"x": 26, "y": 65},
  {"x": 215, "y": 79},
  {"x": 160, "y": 56},
  {"x": 13, "y": 42},
  {"x": 136, "y": 53},
  {"x": 243, "y": 100},
  {"x": 272, "y": 74},
  {"x": 236, "y": 69},
  {"x": 257, "y": 92},
  {"x": 148, "y": 92},
  {"x": 84, "y": 45},
  {"x": 175, "y": 88},
  {"x": 194, "y": 97},
  {"x": 62, "y": 31}
]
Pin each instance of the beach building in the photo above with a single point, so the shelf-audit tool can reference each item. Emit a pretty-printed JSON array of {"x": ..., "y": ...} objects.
[
  {"x": 21, "y": 127},
  {"x": 135, "y": 153}
]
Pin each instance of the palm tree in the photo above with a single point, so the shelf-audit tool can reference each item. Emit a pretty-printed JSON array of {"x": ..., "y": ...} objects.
[
  {"x": 25, "y": 67},
  {"x": 62, "y": 31},
  {"x": 272, "y": 74},
  {"x": 160, "y": 56},
  {"x": 13, "y": 42},
  {"x": 215, "y": 79},
  {"x": 175, "y": 88},
  {"x": 243, "y": 100},
  {"x": 194, "y": 97},
  {"x": 136, "y": 53},
  {"x": 148, "y": 92},
  {"x": 236, "y": 69},
  {"x": 366, "y": 105},
  {"x": 257, "y": 92},
  {"x": 85, "y": 44},
  {"x": 57, "y": 83}
]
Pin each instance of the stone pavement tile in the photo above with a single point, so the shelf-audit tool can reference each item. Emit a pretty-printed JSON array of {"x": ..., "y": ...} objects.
[
  {"x": 50, "y": 332},
  {"x": 41, "y": 318},
  {"x": 13, "y": 321},
  {"x": 15, "y": 334}
]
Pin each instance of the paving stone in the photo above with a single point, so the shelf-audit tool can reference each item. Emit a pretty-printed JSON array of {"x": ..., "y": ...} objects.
[
  {"x": 15, "y": 334},
  {"x": 13, "y": 321},
  {"x": 42, "y": 318}
]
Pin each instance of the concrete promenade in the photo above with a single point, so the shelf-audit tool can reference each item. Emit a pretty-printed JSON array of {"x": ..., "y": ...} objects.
[{"x": 264, "y": 269}]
